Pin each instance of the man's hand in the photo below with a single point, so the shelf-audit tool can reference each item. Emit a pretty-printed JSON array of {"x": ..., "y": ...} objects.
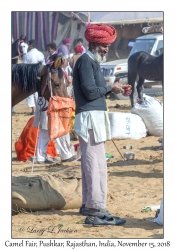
[{"x": 117, "y": 87}]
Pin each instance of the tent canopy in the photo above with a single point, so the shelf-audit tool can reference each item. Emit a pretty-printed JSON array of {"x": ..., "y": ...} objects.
[
  {"x": 120, "y": 16},
  {"x": 48, "y": 26}
]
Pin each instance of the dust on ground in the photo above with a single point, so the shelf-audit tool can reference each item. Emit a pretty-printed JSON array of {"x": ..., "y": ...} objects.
[{"x": 132, "y": 185}]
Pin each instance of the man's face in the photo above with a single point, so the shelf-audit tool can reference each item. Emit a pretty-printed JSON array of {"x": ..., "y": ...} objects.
[
  {"x": 103, "y": 49},
  {"x": 30, "y": 47},
  {"x": 79, "y": 44},
  {"x": 50, "y": 50},
  {"x": 101, "y": 52}
]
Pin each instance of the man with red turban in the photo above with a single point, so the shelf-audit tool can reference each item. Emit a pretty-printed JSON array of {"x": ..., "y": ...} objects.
[
  {"x": 78, "y": 52},
  {"x": 92, "y": 123}
]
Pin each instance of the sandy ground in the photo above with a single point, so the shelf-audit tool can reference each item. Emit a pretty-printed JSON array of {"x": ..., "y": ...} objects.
[{"x": 131, "y": 185}]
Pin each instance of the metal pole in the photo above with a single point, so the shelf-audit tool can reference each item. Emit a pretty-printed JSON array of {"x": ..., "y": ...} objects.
[
  {"x": 134, "y": 21},
  {"x": 89, "y": 17}
]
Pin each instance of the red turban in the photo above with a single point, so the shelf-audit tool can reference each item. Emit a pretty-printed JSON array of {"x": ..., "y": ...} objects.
[
  {"x": 78, "y": 49},
  {"x": 100, "y": 33}
]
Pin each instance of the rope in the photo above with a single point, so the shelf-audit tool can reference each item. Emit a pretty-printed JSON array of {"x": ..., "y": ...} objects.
[
  {"x": 76, "y": 16},
  {"x": 118, "y": 150},
  {"x": 51, "y": 93}
]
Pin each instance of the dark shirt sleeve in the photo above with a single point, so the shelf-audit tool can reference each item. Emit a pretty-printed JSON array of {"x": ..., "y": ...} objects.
[{"x": 88, "y": 81}]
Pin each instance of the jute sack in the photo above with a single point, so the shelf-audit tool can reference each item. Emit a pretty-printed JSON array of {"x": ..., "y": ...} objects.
[{"x": 47, "y": 191}]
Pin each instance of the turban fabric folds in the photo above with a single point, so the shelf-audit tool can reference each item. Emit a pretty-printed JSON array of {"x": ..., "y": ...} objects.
[
  {"x": 66, "y": 40},
  {"x": 100, "y": 33}
]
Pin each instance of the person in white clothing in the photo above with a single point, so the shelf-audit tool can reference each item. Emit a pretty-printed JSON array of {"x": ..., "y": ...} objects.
[
  {"x": 67, "y": 74},
  {"x": 65, "y": 149},
  {"x": 33, "y": 56}
]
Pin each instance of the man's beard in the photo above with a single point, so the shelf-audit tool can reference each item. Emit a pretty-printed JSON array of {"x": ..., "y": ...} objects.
[{"x": 98, "y": 57}]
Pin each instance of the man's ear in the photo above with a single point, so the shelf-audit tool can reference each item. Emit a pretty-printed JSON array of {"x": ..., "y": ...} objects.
[{"x": 92, "y": 45}]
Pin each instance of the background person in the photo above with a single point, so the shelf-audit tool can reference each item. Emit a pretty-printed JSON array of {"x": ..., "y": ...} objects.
[
  {"x": 67, "y": 70},
  {"x": 51, "y": 49},
  {"x": 92, "y": 123},
  {"x": 33, "y": 56},
  {"x": 80, "y": 43},
  {"x": 63, "y": 143},
  {"x": 78, "y": 52},
  {"x": 64, "y": 46},
  {"x": 19, "y": 48}
]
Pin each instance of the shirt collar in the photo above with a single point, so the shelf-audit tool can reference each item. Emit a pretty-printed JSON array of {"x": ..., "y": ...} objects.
[
  {"x": 91, "y": 55},
  {"x": 32, "y": 49},
  {"x": 55, "y": 52}
]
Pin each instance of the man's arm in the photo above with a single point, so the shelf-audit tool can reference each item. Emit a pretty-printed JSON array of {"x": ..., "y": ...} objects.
[
  {"x": 43, "y": 61},
  {"x": 41, "y": 58},
  {"x": 89, "y": 88},
  {"x": 65, "y": 49}
]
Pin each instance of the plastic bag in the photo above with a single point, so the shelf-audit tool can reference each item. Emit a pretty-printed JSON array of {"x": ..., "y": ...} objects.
[
  {"x": 59, "y": 116},
  {"x": 126, "y": 125}
]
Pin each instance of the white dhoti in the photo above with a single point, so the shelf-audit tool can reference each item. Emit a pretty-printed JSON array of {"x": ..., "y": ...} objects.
[
  {"x": 32, "y": 99},
  {"x": 42, "y": 145},
  {"x": 63, "y": 145}
]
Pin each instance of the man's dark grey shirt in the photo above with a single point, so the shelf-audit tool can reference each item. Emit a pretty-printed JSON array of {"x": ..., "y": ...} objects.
[{"x": 89, "y": 85}]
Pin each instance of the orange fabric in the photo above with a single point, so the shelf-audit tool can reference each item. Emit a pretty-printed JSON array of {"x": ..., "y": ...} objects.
[
  {"x": 25, "y": 145},
  {"x": 59, "y": 116},
  {"x": 100, "y": 33},
  {"x": 51, "y": 150}
]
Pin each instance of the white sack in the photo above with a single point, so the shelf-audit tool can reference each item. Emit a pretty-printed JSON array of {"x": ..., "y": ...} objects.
[
  {"x": 151, "y": 111},
  {"x": 126, "y": 125}
]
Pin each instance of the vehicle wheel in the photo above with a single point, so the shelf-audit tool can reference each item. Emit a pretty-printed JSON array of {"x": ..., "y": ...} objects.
[{"x": 124, "y": 97}]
